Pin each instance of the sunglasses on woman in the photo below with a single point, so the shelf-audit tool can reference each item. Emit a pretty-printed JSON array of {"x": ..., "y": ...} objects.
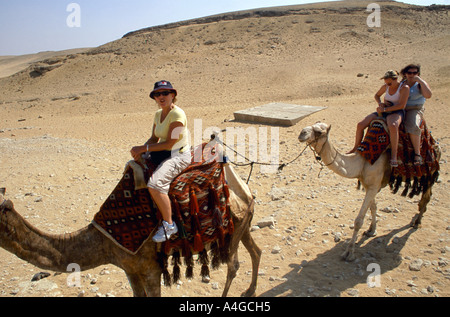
[
  {"x": 412, "y": 73},
  {"x": 164, "y": 93}
]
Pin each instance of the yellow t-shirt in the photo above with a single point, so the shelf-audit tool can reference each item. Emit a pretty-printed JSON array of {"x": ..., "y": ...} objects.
[{"x": 162, "y": 128}]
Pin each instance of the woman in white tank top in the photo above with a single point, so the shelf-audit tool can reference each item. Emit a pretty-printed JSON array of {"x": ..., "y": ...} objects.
[{"x": 392, "y": 109}]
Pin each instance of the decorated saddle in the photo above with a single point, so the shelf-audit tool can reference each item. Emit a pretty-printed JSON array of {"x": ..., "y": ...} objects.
[
  {"x": 200, "y": 207},
  {"x": 416, "y": 179},
  {"x": 376, "y": 141}
]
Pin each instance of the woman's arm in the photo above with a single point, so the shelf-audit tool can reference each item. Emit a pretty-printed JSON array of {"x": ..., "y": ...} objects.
[
  {"x": 152, "y": 145},
  {"x": 425, "y": 89},
  {"x": 404, "y": 94}
]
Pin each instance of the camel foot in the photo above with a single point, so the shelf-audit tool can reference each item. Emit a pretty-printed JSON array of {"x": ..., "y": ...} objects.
[
  {"x": 416, "y": 223},
  {"x": 249, "y": 293},
  {"x": 348, "y": 256},
  {"x": 370, "y": 233}
]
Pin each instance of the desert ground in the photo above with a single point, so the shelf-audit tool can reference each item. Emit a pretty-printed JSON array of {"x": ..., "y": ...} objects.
[{"x": 68, "y": 122}]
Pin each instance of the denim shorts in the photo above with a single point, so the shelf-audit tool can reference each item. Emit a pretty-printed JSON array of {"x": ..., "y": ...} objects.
[
  {"x": 385, "y": 114},
  {"x": 166, "y": 172}
]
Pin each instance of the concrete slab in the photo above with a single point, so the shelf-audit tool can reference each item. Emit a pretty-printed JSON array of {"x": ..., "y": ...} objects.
[{"x": 276, "y": 114}]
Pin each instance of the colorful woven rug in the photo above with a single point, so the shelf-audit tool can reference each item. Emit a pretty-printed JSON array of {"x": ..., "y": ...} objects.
[
  {"x": 376, "y": 141},
  {"x": 200, "y": 208},
  {"x": 415, "y": 178}
]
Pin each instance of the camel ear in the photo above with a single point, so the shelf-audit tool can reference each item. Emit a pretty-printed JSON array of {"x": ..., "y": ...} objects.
[
  {"x": 328, "y": 129},
  {"x": 2, "y": 191}
]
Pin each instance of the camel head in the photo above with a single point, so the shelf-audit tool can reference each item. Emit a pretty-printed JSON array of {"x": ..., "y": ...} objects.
[
  {"x": 315, "y": 134},
  {"x": 3, "y": 201},
  {"x": 6, "y": 205}
]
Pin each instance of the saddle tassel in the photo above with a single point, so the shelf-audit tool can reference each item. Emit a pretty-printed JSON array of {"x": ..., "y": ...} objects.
[{"x": 198, "y": 243}]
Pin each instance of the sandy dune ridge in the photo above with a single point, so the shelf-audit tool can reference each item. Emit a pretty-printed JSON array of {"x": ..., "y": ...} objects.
[{"x": 67, "y": 124}]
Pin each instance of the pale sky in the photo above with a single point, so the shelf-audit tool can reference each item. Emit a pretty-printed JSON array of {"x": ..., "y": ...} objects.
[{"x": 31, "y": 26}]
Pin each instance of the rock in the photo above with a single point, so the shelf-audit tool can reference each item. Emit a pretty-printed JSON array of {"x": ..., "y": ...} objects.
[
  {"x": 266, "y": 222},
  {"x": 40, "y": 276},
  {"x": 337, "y": 236},
  {"x": 254, "y": 228},
  {"x": 276, "y": 250},
  {"x": 353, "y": 292},
  {"x": 416, "y": 265}
]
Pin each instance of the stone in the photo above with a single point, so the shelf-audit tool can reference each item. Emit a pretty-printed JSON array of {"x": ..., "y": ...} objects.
[
  {"x": 416, "y": 265},
  {"x": 266, "y": 222},
  {"x": 279, "y": 114}
]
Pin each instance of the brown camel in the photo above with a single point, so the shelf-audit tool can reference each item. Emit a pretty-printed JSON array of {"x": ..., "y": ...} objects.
[
  {"x": 372, "y": 177},
  {"x": 89, "y": 248}
]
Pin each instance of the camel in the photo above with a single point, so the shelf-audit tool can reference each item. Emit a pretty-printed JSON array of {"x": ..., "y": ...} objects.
[
  {"x": 89, "y": 248},
  {"x": 372, "y": 177}
]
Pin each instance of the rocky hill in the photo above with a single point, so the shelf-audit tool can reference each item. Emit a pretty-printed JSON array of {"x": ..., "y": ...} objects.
[{"x": 67, "y": 125}]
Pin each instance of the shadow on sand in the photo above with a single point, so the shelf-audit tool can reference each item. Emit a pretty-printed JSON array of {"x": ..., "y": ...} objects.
[{"x": 329, "y": 275}]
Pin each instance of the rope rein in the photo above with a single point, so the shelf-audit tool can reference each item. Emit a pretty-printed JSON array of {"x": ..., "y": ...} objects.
[
  {"x": 318, "y": 157},
  {"x": 252, "y": 163}
]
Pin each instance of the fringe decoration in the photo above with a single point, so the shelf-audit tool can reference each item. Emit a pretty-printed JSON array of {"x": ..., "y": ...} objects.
[
  {"x": 198, "y": 243},
  {"x": 162, "y": 259},
  {"x": 176, "y": 261},
  {"x": 179, "y": 219},
  {"x": 203, "y": 259},
  {"x": 189, "y": 262},
  {"x": 215, "y": 252},
  {"x": 407, "y": 185}
]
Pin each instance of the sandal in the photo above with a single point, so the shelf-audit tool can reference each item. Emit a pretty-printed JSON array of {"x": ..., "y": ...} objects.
[
  {"x": 394, "y": 163},
  {"x": 418, "y": 160}
]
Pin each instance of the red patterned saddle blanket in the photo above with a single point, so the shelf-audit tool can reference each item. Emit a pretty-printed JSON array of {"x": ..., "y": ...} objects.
[
  {"x": 376, "y": 141},
  {"x": 415, "y": 178},
  {"x": 200, "y": 207}
]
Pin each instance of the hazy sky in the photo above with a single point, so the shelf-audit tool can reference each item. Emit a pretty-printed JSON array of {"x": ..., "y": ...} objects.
[{"x": 32, "y": 26}]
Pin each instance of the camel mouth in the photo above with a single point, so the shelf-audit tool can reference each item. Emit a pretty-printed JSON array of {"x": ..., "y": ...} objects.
[{"x": 304, "y": 136}]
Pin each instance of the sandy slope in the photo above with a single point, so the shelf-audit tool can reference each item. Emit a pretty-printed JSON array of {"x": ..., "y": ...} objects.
[{"x": 65, "y": 137}]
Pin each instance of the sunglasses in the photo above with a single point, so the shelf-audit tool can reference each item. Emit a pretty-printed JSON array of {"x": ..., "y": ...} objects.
[
  {"x": 164, "y": 93},
  {"x": 412, "y": 73}
]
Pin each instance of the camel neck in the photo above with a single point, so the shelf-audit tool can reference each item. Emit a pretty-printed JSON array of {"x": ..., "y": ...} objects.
[{"x": 343, "y": 165}]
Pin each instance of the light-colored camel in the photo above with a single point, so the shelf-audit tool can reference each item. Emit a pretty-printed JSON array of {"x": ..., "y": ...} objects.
[
  {"x": 89, "y": 248},
  {"x": 372, "y": 177}
]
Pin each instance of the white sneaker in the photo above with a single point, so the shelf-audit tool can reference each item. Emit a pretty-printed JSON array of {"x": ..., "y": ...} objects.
[{"x": 165, "y": 231}]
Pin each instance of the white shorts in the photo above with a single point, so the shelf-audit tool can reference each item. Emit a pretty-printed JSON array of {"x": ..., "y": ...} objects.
[{"x": 166, "y": 172}]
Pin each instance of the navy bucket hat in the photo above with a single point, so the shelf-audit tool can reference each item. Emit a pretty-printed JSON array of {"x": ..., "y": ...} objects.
[{"x": 163, "y": 84}]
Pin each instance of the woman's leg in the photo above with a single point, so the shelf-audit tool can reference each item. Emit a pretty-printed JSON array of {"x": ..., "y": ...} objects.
[
  {"x": 360, "y": 127},
  {"x": 163, "y": 202},
  {"x": 413, "y": 120},
  {"x": 394, "y": 120}
]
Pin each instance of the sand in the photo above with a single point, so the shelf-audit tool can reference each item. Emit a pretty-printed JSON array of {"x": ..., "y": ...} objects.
[{"x": 66, "y": 133}]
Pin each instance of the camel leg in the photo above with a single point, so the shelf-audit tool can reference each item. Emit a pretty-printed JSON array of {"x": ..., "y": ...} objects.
[
  {"x": 152, "y": 283},
  {"x": 241, "y": 229},
  {"x": 372, "y": 232},
  {"x": 233, "y": 267},
  {"x": 136, "y": 285},
  {"x": 349, "y": 254},
  {"x": 233, "y": 263},
  {"x": 145, "y": 285},
  {"x": 255, "y": 254},
  {"x": 417, "y": 220}
]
